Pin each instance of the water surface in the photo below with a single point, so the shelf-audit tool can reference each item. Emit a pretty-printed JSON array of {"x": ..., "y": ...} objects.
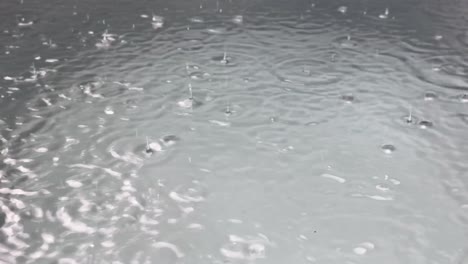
[{"x": 233, "y": 131}]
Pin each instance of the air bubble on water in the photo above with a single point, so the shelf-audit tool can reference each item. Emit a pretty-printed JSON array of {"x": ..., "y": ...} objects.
[
  {"x": 256, "y": 250},
  {"x": 388, "y": 149},
  {"x": 108, "y": 111},
  {"x": 385, "y": 14},
  {"x": 51, "y": 60},
  {"x": 238, "y": 19},
  {"x": 152, "y": 146},
  {"x": 157, "y": 22},
  {"x": 360, "y": 250},
  {"x": 186, "y": 103},
  {"x": 24, "y": 23},
  {"x": 108, "y": 244},
  {"x": 463, "y": 98},
  {"x": 74, "y": 184},
  {"x": 382, "y": 188},
  {"x": 198, "y": 75},
  {"x": 196, "y": 20},
  {"x": 342, "y": 9},
  {"x": 41, "y": 150},
  {"x": 170, "y": 140},
  {"x": 348, "y": 98},
  {"x": 430, "y": 96},
  {"x": 424, "y": 124}
]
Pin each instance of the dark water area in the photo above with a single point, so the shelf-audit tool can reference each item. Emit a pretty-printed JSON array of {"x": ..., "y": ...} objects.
[{"x": 234, "y": 131}]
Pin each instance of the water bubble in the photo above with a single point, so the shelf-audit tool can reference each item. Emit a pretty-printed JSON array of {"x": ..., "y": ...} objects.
[
  {"x": 349, "y": 98},
  {"x": 463, "y": 98},
  {"x": 360, "y": 250},
  {"x": 198, "y": 75},
  {"x": 388, "y": 149},
  {"x": 238, "y": 19},
  {"x": 430, "y": 96},
  {"x": 153, "y": 147},
  {"x": 109, "y": 111},
  {"x": 74, "y": 184},
  {"x": 41, "y": 150},
  {"x": 256, "y": 250},
  {"x": 196, "y": 20},
  {"x": 385, "y": 14},
  {"x": 424, "y": 124},
  {"x": 157, "y": 22},
  {"x": 23, "y": 23},
  {"x": 170, "y": 140},
  {"x": 342, "y": 9}
]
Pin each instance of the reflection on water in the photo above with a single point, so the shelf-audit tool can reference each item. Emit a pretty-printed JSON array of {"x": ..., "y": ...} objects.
[{"x": 233, "y": 132}]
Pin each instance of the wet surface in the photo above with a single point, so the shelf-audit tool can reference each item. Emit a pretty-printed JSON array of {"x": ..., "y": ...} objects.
[{"x": 233, "y": 132}]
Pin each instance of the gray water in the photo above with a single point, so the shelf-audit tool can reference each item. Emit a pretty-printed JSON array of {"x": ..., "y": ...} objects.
[{"x": 233, "y": 131}]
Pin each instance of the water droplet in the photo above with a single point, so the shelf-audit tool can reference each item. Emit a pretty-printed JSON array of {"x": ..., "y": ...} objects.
[
  {"x": 424, "y": 124},
  {"x": 430, "y": 96},
  {"x": 388, "y": 149},
  {"x": 342, "y": 9}
]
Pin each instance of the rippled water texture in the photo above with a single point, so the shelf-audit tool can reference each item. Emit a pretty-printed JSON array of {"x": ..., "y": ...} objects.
[{"x": 233, "y": 131}]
